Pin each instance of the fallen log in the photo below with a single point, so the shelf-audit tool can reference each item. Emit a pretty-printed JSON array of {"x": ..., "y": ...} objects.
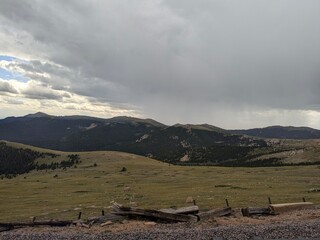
[
  {"x": 106, "y": 223},
  {"x": 5, "y": 228},
  {"x": 55, "y": 223},
  {"x": 160, "y": 215},
  {"x": 219, "y": 212},
  {"x": 183, "y": 210},
  {"x": 285, "y": 207},
  {"x": 105, "y": 218},
  {"x": 154, "y": 214},
  {"x": 249, "y": 211}
]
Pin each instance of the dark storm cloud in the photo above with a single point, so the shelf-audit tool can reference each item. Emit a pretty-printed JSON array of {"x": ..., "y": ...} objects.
[{"x": 177, "y": 59}]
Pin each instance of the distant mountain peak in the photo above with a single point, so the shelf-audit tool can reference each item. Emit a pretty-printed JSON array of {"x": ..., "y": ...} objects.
[
  {"x": 37, "y": 115},
  {"x": 281, "y": 132},
  {"x": 138, "y": 120},
  {"x": 205, "y": 127}
]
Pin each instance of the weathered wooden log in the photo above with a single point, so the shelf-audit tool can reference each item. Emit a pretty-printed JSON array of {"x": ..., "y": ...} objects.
[
  {"x": 147, "y": 213},
  {"x": 285, "y": 207},
  {"x": 160, "y": 215},
  {"x": 249, "y": 211},
  {"x": 5, "y": 228},
  {"x": 183, "y": 210},
  {"x": 106, "y": 223},
  {"x": 56, "y": 223},
  {"x": 219, "y": 212},
  {"x": 12, "y": 225},
  {"x": 105, "y": 218}
]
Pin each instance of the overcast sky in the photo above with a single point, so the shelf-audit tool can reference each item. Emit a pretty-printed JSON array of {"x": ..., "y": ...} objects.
[{"x": 230, "y": 63}]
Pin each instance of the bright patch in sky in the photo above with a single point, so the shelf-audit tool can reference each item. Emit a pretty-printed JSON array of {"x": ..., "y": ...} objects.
[
  {"x": 4, "y": 74},
  {"x": 7, "y": 58},
  {"x": 8, "y": 75}
]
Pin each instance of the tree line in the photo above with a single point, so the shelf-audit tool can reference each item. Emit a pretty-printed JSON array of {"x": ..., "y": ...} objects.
[{"x": 15, "y": 161}]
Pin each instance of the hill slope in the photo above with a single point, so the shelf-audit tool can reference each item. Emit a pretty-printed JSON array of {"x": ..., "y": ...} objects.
[
  {"x": 281, "y": 132},
  {"x": 48, "y": 131},
  {"x": 99, "y": 179},
  {"x": 184, "y": 144},
  {"x": 178, "y": 144},
  {"x": 18, "y": 159}
]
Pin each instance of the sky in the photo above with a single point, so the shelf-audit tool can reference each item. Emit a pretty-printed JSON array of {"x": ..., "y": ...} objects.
[{"x": 233, "y": 64}]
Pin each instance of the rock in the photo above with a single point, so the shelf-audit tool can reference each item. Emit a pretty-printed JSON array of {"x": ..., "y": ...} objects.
[
  {"x": 185, "y": 158},
  {"x": 106, "y": 223},
  {"x": 314, "y": 190},
  {"x": 124, "y": 221},
  {"x": 189, "y": 200},
  {"x": 150, "y": 223}
]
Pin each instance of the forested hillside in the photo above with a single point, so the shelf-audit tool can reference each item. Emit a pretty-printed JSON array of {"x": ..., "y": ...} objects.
[{"x": 14, "y": 161}]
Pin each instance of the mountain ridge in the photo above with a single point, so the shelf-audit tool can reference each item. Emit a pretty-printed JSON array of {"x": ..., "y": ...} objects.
[
  {"x": 184, "y": 144},
  {"x": 145, "y": 137},
  {"x": 281, "y": 132},
  {"x": 150, "y": 120}
]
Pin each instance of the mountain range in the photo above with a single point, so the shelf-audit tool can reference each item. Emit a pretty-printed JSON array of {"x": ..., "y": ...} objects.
[
  {"x": 281, "y": 132},
  {"x": 183, "y": 144}
]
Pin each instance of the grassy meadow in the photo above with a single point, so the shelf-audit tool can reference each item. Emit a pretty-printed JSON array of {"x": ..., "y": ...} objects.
[{"x": 98, "y": 181}]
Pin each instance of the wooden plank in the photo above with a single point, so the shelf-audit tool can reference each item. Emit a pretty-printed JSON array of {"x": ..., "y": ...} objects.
[
  {"x": 219, "y": 212},
  {"x": 160, "y": 215},
  {"x": 183, "y": 210},
  {"x": 285, "y": 207},
  {"x": 39, "y": 223},
  {"x": 249, "y": 211},
  {"x": 12, "y": 225},
  {"x": 140, "y": 212},
  {"x": 5, "y": 228},
  {"x": 105, "y": 218}
]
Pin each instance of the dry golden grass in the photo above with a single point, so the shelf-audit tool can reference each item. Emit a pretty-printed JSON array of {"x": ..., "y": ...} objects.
[{"x": 150, "y": 183}]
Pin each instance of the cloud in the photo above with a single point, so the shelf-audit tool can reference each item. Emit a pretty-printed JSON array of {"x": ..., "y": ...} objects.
[
  {"x": 6, "y": 87},
  {"x": 172, "y": 60},
  {"x": 14, "y": 101},
  {"x": 38, "y": 92}
]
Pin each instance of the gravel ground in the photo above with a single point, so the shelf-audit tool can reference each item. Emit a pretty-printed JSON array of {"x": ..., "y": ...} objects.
[{"x": 299, "y": 225}]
